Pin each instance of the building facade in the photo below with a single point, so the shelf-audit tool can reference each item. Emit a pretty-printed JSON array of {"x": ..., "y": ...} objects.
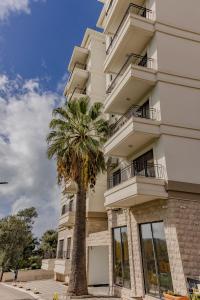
[
  {"x": 86, "y": 79},
  {"x": 153, "y": 195},
  {"x": 143, "y": 226}
]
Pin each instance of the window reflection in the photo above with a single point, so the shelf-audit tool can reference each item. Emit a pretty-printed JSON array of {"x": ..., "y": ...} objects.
[
  {"x": 155, "y": 259},
  {"x": 121, "y": 257}
]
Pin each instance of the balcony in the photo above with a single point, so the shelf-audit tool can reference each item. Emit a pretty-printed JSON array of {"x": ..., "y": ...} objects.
[
  {"x": 135, "y": 30},
  {"x": 132, "y": 82},
  {"x": 62, "y": 263},
  {"x": 67, "y": 219},
  {"x": 76, "y": 94},
  {"x": 79, "y": 56},
  {"x": 135, "y": 129},
  {"x": 136, "y": 184},
  {"x": 77, "y": 79}
]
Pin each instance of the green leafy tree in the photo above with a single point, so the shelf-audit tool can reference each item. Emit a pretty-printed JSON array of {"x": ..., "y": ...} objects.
[
  {"x": 78, "y": 133},
  {"x": 48, "y": 244},
  {"x": 28, "y": 215},
  {"x": 14, "y": 237}
]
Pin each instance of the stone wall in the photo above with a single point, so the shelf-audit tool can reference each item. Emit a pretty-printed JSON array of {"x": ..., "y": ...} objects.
[{"x": 29, "y": 275}]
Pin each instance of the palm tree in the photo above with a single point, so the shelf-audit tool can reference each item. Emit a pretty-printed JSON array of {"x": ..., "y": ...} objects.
[{"x": 77, "y": 135}]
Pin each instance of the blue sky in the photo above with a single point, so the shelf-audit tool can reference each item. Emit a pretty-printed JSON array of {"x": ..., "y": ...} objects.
[
  {"x": 36, "y": 41},
  {"x": 39, "y": 44}
]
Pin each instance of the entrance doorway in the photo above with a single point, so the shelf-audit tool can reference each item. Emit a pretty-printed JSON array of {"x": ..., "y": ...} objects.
[
  {"x": 98, "y": 265},
  {"x": 157, "y": 275}
]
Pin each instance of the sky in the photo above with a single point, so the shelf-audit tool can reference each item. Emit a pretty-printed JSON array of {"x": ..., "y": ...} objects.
[{"x": 36, "y": 41}]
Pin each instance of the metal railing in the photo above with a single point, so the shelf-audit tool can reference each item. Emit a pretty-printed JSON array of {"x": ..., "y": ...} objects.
[
  {"x": 64, "y": 254},
  {"x": 66, "y": 208},
  {"x": 132, "y": 8},
  {"x": 77, "y": 91},
  {"x": 132, "y": 58},
  {"x": 109, "y": 6},
  {"x": 136, "y": 168},
  {"x": 49, "y": 255},
  {"x": 79, "y": 66},
  {"x": 134, "y": 111}
]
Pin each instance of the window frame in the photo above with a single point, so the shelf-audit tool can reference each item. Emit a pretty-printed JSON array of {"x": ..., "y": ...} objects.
[
  {"x": 155, "y": 258},
  {"x": 122, "y": 256}
]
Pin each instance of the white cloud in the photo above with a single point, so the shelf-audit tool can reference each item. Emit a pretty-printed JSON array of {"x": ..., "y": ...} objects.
[
  {"x": 25, "y": 112},
  {"x": 14, "y": 6}
]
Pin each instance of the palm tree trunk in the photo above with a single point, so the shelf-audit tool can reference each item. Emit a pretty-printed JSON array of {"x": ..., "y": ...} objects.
[
  {"x": 78, "y": 277},
  {"x": 1, "y": 276}
]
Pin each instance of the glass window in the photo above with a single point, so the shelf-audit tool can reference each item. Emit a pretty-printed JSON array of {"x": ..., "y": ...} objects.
[
  {"x": 68, "y": 254},
  {"x": 63, "y": 210},
  {"x": 60, "y": 248},
  {"x": 121, "y": 257},
  {"x": 156, "y": 265}
]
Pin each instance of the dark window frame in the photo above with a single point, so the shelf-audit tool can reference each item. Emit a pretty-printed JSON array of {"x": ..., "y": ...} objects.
[
  {"x": 155, "y": 257},
  {"x": 122, "y": 257}
]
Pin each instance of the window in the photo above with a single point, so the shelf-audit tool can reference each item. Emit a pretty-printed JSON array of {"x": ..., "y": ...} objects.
[
  {"x": 144, "y": 111},
  {"x": 144, "y": 165},
  {"x": 60, "y": 248},
  {"x": 63, "y": 210},
  {"x": 68, "y": 254},
  {"x": 121, "y": 269},
  {"x": 71, "y": 205},
  {"x": 157, "y": 275},
  {"x": 116, "y": 177}
]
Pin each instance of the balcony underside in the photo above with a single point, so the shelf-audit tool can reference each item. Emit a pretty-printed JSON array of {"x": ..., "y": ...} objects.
[
  {"x": 116, "y": 13},
  {"x": 132, "y": 38},
  {"x": 134, "y": 84},
  {"x": 78, "y": 80},
  {"x": 79, "y": 55},
  {"x": 132, "y": 136},
  {"x": 135, "y": 191},
  {"x": 77, "y": 96},
  {"x": 67, "y": 220}
]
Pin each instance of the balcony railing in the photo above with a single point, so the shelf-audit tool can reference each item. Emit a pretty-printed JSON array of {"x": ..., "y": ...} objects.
[
  {"x": 77, "y": 91},
  {"x": 143, "y": 169},
  {"x": 49, "y": 255},
  {"x": 132, "y": 8},
  {"x": 135, "y": 59},
  {"x": 79, "y": 66},
  {"x": 64, "y": 254},
  {"x": 109, "y": 6},
  {"x": 134, "y": 111}
]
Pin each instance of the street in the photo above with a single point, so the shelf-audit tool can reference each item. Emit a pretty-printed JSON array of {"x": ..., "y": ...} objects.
[{"x": 7, "y": 293}]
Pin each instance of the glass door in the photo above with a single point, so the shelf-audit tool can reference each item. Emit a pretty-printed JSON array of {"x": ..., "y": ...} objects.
[{"x": 156, "y": 265}]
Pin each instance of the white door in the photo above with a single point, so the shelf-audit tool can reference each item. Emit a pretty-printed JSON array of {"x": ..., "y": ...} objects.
[{"x": 98, "y": 265}]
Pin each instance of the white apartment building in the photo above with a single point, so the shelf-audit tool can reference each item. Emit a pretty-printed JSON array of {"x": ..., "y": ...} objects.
[
  {"x": 152, "y": 69},
  {"x": 86, "y": 79},
  {"x": 145, "y": 68}
]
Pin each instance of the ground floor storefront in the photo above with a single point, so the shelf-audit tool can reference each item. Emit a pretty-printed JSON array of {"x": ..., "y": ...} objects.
[
  {"x": 145, "y": 250},
  {"x": 154, "y": 247}
]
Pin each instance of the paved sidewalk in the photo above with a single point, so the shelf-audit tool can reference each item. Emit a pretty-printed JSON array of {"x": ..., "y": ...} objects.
[
  {"x": 47, "y": 288},
  {"x": 7, "y": 293}
]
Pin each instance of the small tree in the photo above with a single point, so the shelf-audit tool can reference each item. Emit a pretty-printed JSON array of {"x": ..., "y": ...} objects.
[
  {"x": 48, "y": 244},
  {"x": 14, "y": 237}
]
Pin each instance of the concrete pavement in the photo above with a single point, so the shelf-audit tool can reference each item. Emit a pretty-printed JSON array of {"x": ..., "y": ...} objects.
[
  {"x": 47, "y": 288},
  {"x": 7, "y": 293}
]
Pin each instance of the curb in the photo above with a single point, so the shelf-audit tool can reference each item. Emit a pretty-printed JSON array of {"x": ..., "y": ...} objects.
[{"x": 37, "y": 297}]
